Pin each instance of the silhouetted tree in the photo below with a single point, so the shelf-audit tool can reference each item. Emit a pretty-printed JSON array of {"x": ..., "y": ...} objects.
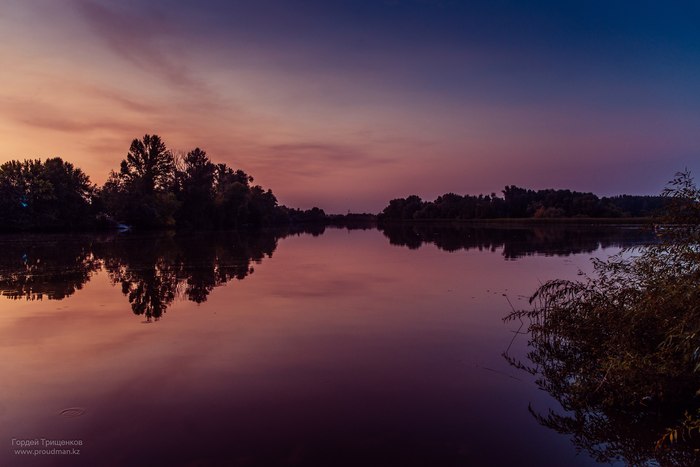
[
  {"x": 634, "y": 206},
  {"x": 149, "y": 165},
  {"x": 403, "y": 208},
  {"x": 141, "y": 192},
  {"x": 520, "y": 203},
  {"x": 232, "y": 190},
  {"x": 50, "y": 195},
  {"x": 196, "y": 193},
  {"x": 149, "y": 190}
]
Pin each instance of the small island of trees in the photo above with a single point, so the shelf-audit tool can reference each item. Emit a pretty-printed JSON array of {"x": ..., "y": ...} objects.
[{"x": 152, "y": 189}]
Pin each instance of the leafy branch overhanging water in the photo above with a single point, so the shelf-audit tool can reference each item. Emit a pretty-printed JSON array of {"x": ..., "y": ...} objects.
[{"x": 620, "y": 348}]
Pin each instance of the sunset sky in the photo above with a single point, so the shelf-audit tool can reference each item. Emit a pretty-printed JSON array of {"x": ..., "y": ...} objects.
[{"x": 347, "y": 104}]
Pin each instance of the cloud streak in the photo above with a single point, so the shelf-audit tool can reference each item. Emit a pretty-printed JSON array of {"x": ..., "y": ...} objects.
[
  {"x": 145, "y": 39},
  {"x": 314, "y": 158},
  {"x": 41, "y": 115}
]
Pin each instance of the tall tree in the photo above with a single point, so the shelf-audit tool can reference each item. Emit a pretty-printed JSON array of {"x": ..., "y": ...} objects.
[
  {"x": 149, "y": 166},
  {"x": 141, "y": 194},
  {"x": 196, "y": 190}
]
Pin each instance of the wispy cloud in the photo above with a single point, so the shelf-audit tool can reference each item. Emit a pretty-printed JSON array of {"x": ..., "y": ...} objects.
[
  {"x": 312, "y": 159},
  {"x": 34, "y": 113},
  {"x": 121, "y": 99},
  {"x": 144, "y": 38}
]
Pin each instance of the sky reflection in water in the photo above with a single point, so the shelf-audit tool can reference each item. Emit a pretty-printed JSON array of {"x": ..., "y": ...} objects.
[{"x": 345, "y": 348}]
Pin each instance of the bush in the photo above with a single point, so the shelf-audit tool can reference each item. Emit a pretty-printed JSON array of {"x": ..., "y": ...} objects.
[{"x": 620, "y": 349}]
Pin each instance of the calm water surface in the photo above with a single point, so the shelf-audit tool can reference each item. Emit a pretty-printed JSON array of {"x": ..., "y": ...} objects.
[{"x": 343, "y": 347}]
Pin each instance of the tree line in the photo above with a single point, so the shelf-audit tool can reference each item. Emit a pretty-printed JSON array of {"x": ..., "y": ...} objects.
[
  {"x": 152, "y": 188},
  {"x": 519, "y": 202}
]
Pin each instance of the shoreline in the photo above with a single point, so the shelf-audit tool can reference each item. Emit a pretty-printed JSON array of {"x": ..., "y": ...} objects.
[{"x": 532, "y": 221}]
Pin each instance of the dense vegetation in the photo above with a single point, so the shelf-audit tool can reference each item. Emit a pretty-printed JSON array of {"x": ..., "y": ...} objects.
[
  {"x": 522, "y": 203},
  {"x": 51, "y": 195},
  {"x": 620, "y": 349},
  {"x": 154, "y": 188},
  {"x": 151, "y": 189}
]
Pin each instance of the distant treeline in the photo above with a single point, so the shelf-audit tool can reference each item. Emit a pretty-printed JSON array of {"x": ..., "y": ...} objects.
[
  {"x": 519, "y": 202},
  {"x": 151, "y": 189},
  {"x": 154, "y": 188}
]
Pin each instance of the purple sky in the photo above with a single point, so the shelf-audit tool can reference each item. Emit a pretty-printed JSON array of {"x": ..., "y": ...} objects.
[{"x": 347, "y": 104}]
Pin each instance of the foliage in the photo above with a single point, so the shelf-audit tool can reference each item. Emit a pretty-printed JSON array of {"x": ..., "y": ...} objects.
[
  {"x": 149, "y": 166},
  {"x": 151, "y": 189},
  {"x": 122, "y": 200},
  {"x": 141, "y": 192},
  {"x": 154, "y": 189},
  {"x": 521, "y": 203},
  {"x": 49, "y": 195},
  {"x": 620, "y": 349},
  {"x": 196, "y": 190}
]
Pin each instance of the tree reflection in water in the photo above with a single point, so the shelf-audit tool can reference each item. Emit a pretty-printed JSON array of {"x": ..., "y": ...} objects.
[
  {"x": 516, "y": 240},
  {"x": 619, "y": 348},
  {"x": 152, "y": 270},
  {"x": 607, "y": 431},
  {"x": 45, "y": 266}
]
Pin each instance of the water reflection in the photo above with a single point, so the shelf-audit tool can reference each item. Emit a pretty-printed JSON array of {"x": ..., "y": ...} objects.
[
  {"x": 155, "y": 270},
  {"x": 52, "y": 267},
  {"x": 608, "y": 433},
  {"x": 517, "y": 240},
  {"x": 340, "y": 350},
  {"x": 151, "y": 270}
]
